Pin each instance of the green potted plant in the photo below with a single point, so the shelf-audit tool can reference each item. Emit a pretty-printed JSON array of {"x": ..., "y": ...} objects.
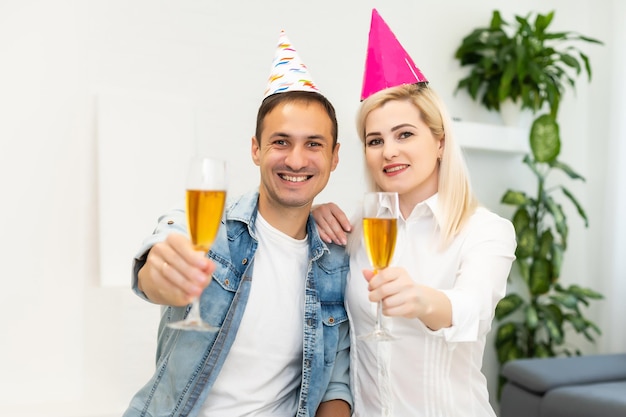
[
  {"x": 534, "y": 321},
  {"x": 521, "y": 62}
]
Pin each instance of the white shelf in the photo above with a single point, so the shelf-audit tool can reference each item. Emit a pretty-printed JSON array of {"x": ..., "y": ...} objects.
[{"x": 482, "y": 136}]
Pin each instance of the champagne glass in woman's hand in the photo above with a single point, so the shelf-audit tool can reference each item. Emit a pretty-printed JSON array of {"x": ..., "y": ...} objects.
[
  {"x": 205, "y": 198},
  {"x": 380, "y": 227}
]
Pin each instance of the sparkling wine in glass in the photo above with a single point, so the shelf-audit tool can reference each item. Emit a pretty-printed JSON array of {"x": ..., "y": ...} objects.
[
  {"x": 380, "y": 228},
  {"x": 205, "y": 200}
]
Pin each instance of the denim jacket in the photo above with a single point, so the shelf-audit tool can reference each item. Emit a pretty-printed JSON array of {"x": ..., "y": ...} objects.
[{"x": 188, "y": 362}]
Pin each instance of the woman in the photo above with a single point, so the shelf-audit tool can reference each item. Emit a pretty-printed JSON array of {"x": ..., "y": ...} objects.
[{"x": 448, "y": 272}]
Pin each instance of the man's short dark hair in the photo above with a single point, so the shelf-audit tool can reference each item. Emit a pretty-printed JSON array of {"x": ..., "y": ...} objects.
[{"x": 270, "y": 102}]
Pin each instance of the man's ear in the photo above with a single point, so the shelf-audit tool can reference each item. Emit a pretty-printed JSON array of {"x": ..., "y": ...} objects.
[
  {"x": 254, "y": 151},
  {"x": 335, "y": 157}
]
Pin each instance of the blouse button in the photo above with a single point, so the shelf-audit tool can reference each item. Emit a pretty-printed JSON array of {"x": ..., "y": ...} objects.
[{"x": 170, "y": 222}]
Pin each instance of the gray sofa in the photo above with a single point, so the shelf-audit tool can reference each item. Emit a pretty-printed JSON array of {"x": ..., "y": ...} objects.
[{"x": 577, "y": 386}]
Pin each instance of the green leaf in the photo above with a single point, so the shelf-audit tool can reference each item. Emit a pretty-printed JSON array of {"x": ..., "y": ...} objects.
[
  {"x": 585, "y": 59},
  {"x": 521, "y": 218},
  {"x": 574, "y": 201},
  {"x": 496, "y": 20},
  {"x": 545, "y": 142},
  {"x": 505, "y": 82},
  {"x": 554, "y": 330},
  {"x": 557, "y": 36},
  {"x": 581, "y": 292},
  {"x": 595, "y": 328},
  {"x": 539, "y": 277},
  {"x": 566, "y": 300},
  {"x": 578, "y": 323},
  {"x": 531, "y": 317},
  {"x": 556, "y": 258},
  {"x": 508, "y": 305},
  {"x": 588, "y": 39},
  {"x": 553, "y": 312},
  {"x": 543, "y": 351},
  {"x": 524, "y": 269},
  {"x": 558, "y": 217},
  {"x": 509, "y": 351},
  {"x": 514, "y": 198},
  {"x": 570, "y": 61},
  {"x": 545, "y": 244},
  {"x": 526, "y": 241},
  {"x": 506, "y": 332},
  {"x": 542, "y": 22},
  {"x": 567, "y": 170}
]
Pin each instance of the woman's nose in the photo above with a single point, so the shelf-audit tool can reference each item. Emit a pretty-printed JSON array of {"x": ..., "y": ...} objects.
[{"x": 390, "y": 149}]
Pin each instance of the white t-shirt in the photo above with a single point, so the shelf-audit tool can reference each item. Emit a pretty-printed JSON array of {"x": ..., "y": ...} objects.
[
  {"x": 263, "y": 370},
  {"x": 424, "y": 372}
]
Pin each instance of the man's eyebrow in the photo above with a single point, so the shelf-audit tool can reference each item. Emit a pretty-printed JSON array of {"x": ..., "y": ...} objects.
[
  {"x": 286, "y": 135},
  {"x": 318, "y": 137}
]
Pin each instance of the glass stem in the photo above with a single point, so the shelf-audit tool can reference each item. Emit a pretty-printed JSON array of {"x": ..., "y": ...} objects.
[
  {"x": 194, "y": 312},
  {"x": 379, "y": 316}
]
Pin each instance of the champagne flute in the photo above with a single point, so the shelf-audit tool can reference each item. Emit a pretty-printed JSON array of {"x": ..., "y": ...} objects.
[
  {"x": 205, "y": 200},
  {"x": 380, "y": 227}
]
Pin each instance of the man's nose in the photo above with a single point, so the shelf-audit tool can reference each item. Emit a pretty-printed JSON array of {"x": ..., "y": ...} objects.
[{"x": 296, "y": 158}]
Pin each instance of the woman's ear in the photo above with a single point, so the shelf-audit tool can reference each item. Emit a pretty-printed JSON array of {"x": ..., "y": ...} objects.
[{"x": 442, "y": 146}]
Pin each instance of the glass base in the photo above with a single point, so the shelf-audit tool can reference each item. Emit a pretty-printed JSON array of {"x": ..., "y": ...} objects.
[
  {"x": 378, "y": 335},
  {"x": 192, "y": 324}
]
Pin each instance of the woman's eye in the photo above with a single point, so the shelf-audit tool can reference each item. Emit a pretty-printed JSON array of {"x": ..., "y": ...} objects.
[
  {"x": 374, "y": 142},
  {"x": 405, "y": 135}
]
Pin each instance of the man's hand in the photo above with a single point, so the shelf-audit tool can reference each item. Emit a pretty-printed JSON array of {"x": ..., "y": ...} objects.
[
  {"x": 333, "y": 408},
  {"x": 175, "y": 273}
]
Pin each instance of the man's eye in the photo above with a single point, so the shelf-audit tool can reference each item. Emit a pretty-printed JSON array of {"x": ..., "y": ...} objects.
[{"x": 280, "y": 142}]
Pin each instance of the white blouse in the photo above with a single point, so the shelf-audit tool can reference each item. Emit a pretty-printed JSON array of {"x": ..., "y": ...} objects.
[{"x": 424, "y": 372}]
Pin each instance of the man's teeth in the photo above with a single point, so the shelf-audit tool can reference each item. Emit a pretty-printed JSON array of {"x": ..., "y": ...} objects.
[
  {"x": 294, "y": 179},
  {"x": 396, "y": 168}
]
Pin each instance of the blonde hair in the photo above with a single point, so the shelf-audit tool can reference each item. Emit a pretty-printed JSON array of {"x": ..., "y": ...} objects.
[{"x": 456, "y": 199}]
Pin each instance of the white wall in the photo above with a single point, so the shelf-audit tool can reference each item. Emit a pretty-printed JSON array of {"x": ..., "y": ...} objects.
[
  {"x": 73, "y": 347},
  {"x": 609, "y": 148}
]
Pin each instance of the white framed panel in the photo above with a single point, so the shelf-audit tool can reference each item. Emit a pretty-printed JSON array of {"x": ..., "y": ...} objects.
[{"x": 144, "y": 141}]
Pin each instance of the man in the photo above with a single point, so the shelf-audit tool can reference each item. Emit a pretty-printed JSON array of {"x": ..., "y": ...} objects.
[{"x": 276, "y": 289}]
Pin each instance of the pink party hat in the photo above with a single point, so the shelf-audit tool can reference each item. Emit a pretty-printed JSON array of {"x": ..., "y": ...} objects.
[
  {"x": 288, "y": 72},
  {"x": 387, "y": 64}
]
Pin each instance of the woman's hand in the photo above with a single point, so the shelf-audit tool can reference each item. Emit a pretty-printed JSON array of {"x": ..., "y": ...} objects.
[
  {"x": 401, "y": 296},
  {"x": 332, "y": 223}
]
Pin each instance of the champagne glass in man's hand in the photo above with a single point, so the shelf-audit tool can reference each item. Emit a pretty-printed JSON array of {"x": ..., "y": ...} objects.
[{"x": 205, "y": 199}]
